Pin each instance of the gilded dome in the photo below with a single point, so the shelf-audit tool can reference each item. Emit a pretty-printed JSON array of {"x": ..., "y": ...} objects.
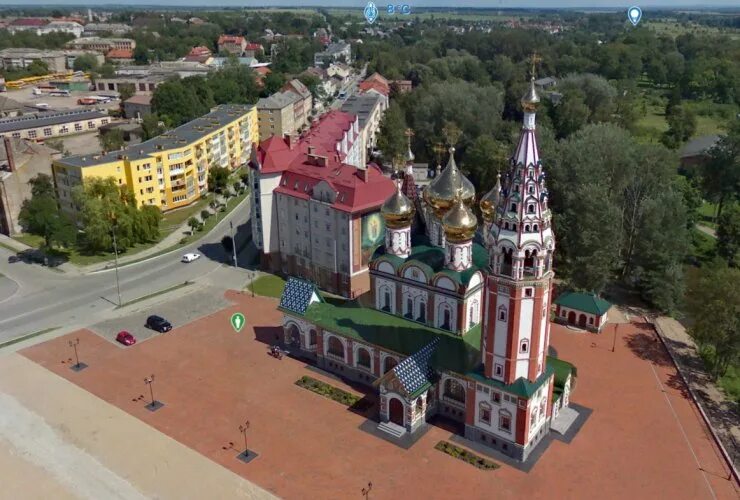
[
  {"x": 397, "y": 210},
  {"x": 490, "y": 200},
  {"x": 441, "y": 192},
  {"x": 459, "y": 222},
  {"x": 530, "y": 100},
  {"x": 409, "y": 155}
]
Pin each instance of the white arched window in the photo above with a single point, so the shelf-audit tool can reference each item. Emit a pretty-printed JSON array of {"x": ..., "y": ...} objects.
[
  {"x": 524, "y": 346},
  {"x": 502, "y": 313}
]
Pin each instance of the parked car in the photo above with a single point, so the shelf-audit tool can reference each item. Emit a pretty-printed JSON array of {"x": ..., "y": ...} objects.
[
  {"x": 190, "y": 257},
  {"x": 125, "y": 338},
  {"x": 158, "y": 323}
]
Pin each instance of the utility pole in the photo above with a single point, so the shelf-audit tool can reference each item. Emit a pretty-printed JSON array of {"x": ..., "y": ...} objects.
[
  {"x": 115, "y": 251},
  {"x": 614, "y": 342},
  {"x": 233, "y": 241},
  {"x": 243, "y": 429},
  {"x": 77, "y": 366},
  {"x": 154, "y": 405}
]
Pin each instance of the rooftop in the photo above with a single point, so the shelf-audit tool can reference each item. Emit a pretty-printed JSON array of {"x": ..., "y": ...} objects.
[
  {"x": 139, "y": 99},
  {"x": 180, "y": 137},
  {"x": 120, "y": 54},
  {"x": 361, "y": 105},
  {"x": 278, "y": 100},
  {"x": 586, "y": 302},
  {"x": 699, "y": 145},
  {"x": 29, "y": 21},
  {"x": 36, "y": 120}
]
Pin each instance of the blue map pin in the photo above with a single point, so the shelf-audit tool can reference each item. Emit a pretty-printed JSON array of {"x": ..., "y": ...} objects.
[
  {"x": 634, "y": 14},
  {"x": 371, "y": 12}
]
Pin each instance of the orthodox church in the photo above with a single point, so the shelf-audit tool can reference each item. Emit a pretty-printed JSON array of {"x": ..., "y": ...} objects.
[{"x": 457, "y": 320}]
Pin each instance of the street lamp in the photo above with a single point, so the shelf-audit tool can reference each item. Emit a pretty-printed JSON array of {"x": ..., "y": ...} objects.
[
  {"x": 77, "y": 366},
  {"x": 233, "y": 241},
  {"x": 614, "y": 342},
  {"x": 154, "y": 405},
  {"x": 115, "y": 251},
  {"x": 243, "y": 429},
  {"x": 366, "y": 491}
]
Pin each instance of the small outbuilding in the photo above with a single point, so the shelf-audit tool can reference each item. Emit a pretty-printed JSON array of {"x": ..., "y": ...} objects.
[{"x": 581, "y": 309}]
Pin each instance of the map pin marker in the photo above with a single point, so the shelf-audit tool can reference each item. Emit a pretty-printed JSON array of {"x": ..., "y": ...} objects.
[
  {"x": 634, "y": 14},
  {"x": 237, "y": 321}
]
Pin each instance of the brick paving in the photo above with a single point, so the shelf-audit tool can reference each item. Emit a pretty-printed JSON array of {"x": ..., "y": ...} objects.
[{"x": 644, "y": 438}]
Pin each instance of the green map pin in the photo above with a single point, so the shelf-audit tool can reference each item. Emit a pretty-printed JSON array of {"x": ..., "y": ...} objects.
[{"x": 237, "y": 321}]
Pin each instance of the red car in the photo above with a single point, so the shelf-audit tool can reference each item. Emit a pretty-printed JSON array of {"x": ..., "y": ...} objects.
[{"x": 125, "y": 338}]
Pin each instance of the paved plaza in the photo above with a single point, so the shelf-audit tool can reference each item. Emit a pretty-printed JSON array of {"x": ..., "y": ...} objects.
[{"x": 643, "y": 439}]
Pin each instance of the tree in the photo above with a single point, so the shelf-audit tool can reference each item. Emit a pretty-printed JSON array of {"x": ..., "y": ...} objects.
[
  {"x": 681, "y": 126},
  {"x": 40, "y": 214},
  {"x": 85, "y": 62},
  {"x": 126, "y": 90},
  {"x": 151, "y": 126},
  {"x": 313, "y": 84},
  {"x": 107, "y": 70},
  {"x": 228, "y": 243},
  {"x": 391, "y": 140},
  {"x": 713, "y": 303},
  {"x": 273, "y": 82},
  {"x": 218, "y": 178},
  {"x": 111, "y": 140},
  {"x": 204, "y": 214},
  {"x": 484, "y": 159},
  {"x": 721, "y": 174},
  {"x": 691, "y": 199},
  {"x": 38, "y": 68},
  {"x": 571, "y": 113},
  {"x": 728, "y": 235},
  {"x": 193, "y": 223},
  {"x": 141, "y": 55}
]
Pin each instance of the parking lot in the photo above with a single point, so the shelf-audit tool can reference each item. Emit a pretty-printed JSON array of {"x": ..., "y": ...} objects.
[
  {"x": 26, "y": 96},
  {"x": 194, "y": 304}
]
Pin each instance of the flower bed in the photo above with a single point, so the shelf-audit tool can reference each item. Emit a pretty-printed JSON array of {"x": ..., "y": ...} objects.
[
  {"x": 466, "y": 456},
  {"x": 328, "y": 391}
]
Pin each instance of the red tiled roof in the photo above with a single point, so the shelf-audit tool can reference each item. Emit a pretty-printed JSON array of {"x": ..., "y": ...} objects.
[
  {"x": 120, "y": 54},
  {"x": 372, "y": 85},
  {"x": 377, "y": 77},
  {"x": 199, "y": 51},
  {"x": 230, "y": 39},
  {"x": 263, "y": 70},
  {"x": 254, "y": 46},
  {"x": 29, "y": 21}
]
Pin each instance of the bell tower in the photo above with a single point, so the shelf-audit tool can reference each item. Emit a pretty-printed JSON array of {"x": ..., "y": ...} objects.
[{"x": 516, "y": 327}]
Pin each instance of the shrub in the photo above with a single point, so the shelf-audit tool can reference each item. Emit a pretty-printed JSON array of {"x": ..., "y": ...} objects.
[{"x": 204, "y": 214}]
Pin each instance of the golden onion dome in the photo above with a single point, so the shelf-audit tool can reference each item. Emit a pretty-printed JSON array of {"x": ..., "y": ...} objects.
[
  {"x": 409, "y": 155},
  {"x": 441, "y": 192},
  {"x": 397, "y": 210},
  {"x": 530, "y": 100},
  {"x": 490, "y": 201},
  {"x": 459, "y": 222}
]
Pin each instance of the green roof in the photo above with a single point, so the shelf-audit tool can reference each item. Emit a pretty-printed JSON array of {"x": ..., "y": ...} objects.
[
  {"x": 454, "y": 353},
  {"x": 431, "y": 259},
  {"x": 581, "y": 301},
  {"x": 562, "y": 370},
  {"x": 521, "y": 386}
]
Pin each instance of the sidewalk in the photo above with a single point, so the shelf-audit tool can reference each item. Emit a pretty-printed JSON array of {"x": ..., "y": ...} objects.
[{"x": 722, "y": 412}]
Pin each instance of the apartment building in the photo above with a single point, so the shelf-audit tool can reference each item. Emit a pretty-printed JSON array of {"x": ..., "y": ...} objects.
[
  {"x": 15, "y": 58},
  {"x": 302, "y": 107},
  {"x": 169, "y": 171},
  {"x": 314, "y": 212},
  {"x": 46, "y": 125},
  {"x": 231, "y": 44},
  {"x": 335, "y": 52},
  {"x": 369, "y": 110},
  {"x": 102, "y": 45},
  {"x": 276, "y": 115}
]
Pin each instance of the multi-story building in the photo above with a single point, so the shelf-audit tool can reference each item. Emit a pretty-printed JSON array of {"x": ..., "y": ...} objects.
[
  {"x": 314, "y": 212},
  {"x": 20, "y": 161},
  {"x": 40, "y": 126},
  {"x": 102, "y": 45},
  {"x": 95, "y": 29},
  {"x": 142, "y": 85},
  {"x": 456, "y": 328},
  {"x": 335, "y": 52},
  {"x": 27, "y": 24},
  {"x": 171, "y": 170},
  {"x": 369, "y": 110},
  {"x": 70, "y": 27},
  {"x": 18, "y": 58},
  {"x": 277, "y": 115},
  {"x": 231, "y": 44},
  {"x": 303, "y": 106},
  {"x": 72, "y": 55}
]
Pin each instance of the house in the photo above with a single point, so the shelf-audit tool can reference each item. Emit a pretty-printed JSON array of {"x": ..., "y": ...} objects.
[
  {"x": 232, "y": 44},
  {"x": 17, "y": 58},
  {"x": 369, "y": 110},
  {"x": 199, "y": 54},
  {"x": 260, "y": 73},
  {"x": 253, "y": 49},
  {"x": 20, "y": 161},
  {"x": 546, "y": 82},
  {"x": 69, "y": 27},
  {"x": 338, "y": 51},
  {"x": 33, "y": 24},
  {"x": 135, "y": 107},
  {"x": 120, "y": 56},
  {"x": 585, "y": 310},
  {"x": 304, "y": 104},
  {"x": 696, "y": 152},
  {"x": 10, "y": 107},
  {"x": 403, "y": 86}
]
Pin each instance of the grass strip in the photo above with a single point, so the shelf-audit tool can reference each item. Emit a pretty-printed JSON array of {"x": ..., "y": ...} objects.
[
  {"x": 160, "y": 292},
  {"x": 328, "y": 391},
  {"x": 9, "y": 248},
  {"x": 26, "y": 337},
  {"x": 466, "y": 456},
  {"x": 267, "y": 285}
]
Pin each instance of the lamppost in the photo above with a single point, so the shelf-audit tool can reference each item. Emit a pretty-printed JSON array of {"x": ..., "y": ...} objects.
[
  {"x": 115, "y": 251},
  {"x": 366, "y": 491},
  {"x": 243, "y": 429},
  {"x": 77, "y": 366},
  {"x": 233, "y": 241},
  {"x": 614, "y": 342},
  {"x": 154, "y": 405}
]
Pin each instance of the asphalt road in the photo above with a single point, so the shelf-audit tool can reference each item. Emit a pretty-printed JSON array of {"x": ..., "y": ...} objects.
[{"x": 46, "y": 298}]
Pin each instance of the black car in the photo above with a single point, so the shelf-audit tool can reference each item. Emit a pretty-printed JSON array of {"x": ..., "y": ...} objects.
[{"x": 158, "y": 323}]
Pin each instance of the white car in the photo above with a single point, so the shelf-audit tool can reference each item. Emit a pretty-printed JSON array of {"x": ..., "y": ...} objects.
[{"x": 190, "y": 257}]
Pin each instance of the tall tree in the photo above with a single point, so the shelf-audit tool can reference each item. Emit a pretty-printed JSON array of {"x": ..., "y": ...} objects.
[
  {"x": 111, "y": 140},
  {"x": 681, "y": 126},
  {"x": 484, "y": 159},
  {"x": 728, "y": 235},
  {"x": 721, "y": 174},
  {"x": 391, "y": 140},
  {"x": 40, "y": 214}
]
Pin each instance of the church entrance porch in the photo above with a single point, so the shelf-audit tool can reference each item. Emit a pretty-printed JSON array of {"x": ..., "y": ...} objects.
[{"x": 396, "y": 412}]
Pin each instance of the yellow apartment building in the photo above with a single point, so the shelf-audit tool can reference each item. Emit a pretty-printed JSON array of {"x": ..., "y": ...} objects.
[{"x": 169, "y": 171}]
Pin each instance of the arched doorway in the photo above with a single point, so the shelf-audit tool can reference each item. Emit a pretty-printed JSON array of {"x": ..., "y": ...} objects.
[
  {"x": 395, "y": 411},
  {"x": 582, "y": 320},
  {"x": 389, "y": 364},
  {"x": 294, "y": 336},
  {"x": 572, "y": 318}
]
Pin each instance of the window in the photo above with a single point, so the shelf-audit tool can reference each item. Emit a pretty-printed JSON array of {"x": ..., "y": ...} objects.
[
  {"x": 64, "y": 129},
  {"x": 104, "y": 121},
  {"x": 533, "y": 419},
  {"x": 524, "y": 346},
  {"x": 496, "y": 397},
  {"x": 454, "y": 390},
  {"x": 90, "y": 124},
  {"x": 528, "y": 292},
  {"x": 336, "y": 347},
  {"x": 484, "y": 415},
  {"x": 386, "y": 301},
  {"x": 47, "y": 132},
  {"x": 409, "y": 308},
  {"x": 422, "y": 312},
  {"x": 31, "y": 134},
  {"x": 513, "y": 207},
  {"x": 502, "y": 313},
  {"x": 312, "y": 338},
  {"x": 363, "y": 357},
  {"x": 530, "y": 209},
  {"x": 499, "y": 370},
  {"x": 504, "y": 421}
]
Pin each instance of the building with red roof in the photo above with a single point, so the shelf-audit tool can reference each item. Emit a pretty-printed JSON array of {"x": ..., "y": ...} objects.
[
  {"x": 232, "y": 44},
  {"x": 253, "y": 49},
  {"x": 120, "y": 55},
  {"x": 315, "y": 209},
  {"x": 199, "y": 54}
]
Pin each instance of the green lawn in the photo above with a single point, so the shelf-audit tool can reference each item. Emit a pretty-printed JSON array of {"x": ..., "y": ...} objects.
[
  {"x": 702, "y": 247},
  {"x": 707, "y": 212},
  {"x": 31, "y": 240},
  {"x": 730, "y": 383},
  {"x": 268, "y": 285},
  {"x": 176, "y": 218}
]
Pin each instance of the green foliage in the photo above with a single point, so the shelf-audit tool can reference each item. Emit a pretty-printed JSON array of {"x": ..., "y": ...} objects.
[
  {"x": 193, "y": 223},
  {"x": 391, "y": 140},
  {"x": 40, "y": 215},
  {"x": 484, "y": 159},
  {"x": 38, "y": 68},
  {"x": 107, "y": 70},
  {"x": 713, "y": 303},
  {"x": 85, "y": 62},
  {"x": 111, "y": 140},
  {"x": 295, "y": 55},
  {"x": 150, "y": 125},
  {"x": 218, "y": 178},
  {"x": 141, "y": 55},
  {"x": 312, "y": 83},
  {"x": 31, "y": 40},
  {"x": 328, "y": 391},
  {"x": 681, "y": 126},
  {"x": 126, "y": 90},
  {"x": 728, "y": 235},
  {"x": 691, "y": 199},
  {"x": 466, "y": 456},
  {"x": 204, "y": 214},
  {"x": 721, "y": 174},
  {"x": 273, "y": 82},
  {"x": 105, "y": 208}
]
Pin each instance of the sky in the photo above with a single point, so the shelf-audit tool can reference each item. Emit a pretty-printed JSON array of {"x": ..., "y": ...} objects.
[{"x": 419, "y": 3}]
